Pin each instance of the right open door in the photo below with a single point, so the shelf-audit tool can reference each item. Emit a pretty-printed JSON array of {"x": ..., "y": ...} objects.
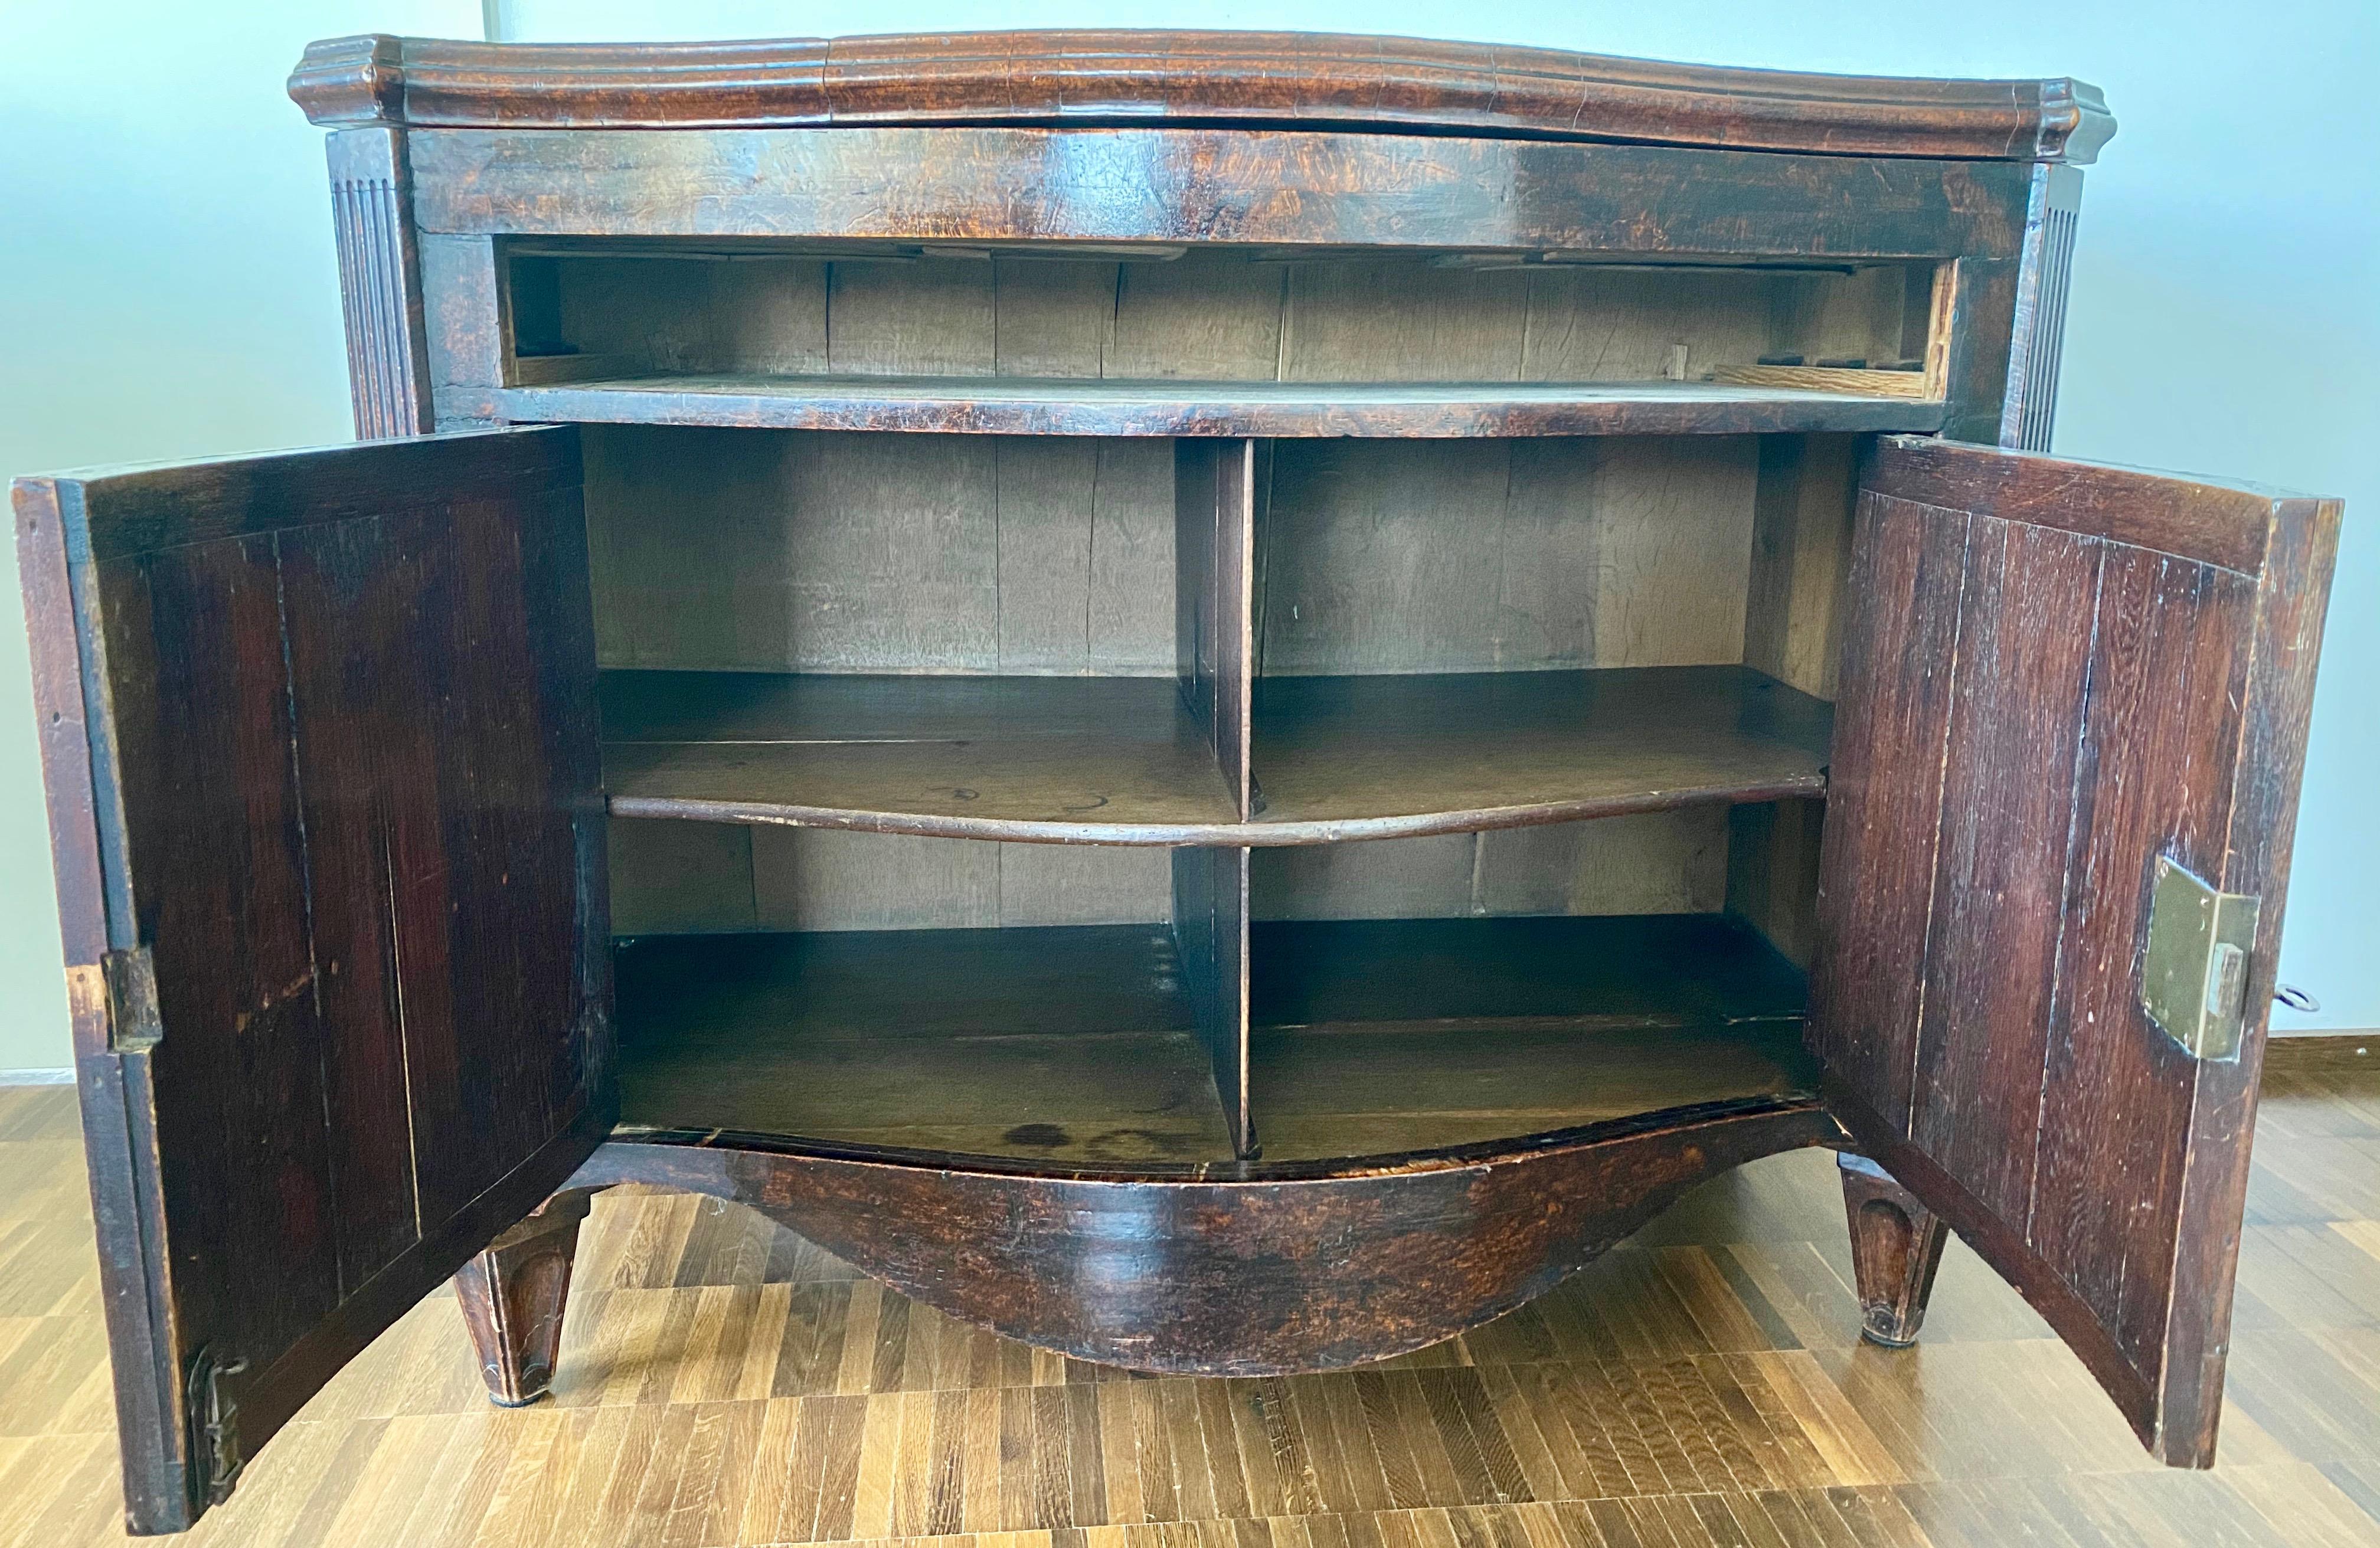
[{"x": 2074, "y": 701}]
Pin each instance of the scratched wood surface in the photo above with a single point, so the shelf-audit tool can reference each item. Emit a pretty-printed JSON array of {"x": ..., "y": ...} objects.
[{"x": 724, "y": 1383}]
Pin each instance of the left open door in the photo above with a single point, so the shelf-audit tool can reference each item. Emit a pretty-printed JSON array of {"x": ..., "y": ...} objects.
[{"x": 319, "y": 733}]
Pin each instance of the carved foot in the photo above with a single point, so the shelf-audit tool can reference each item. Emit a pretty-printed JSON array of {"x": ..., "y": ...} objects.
[
  {"x": 1896, "y": 1247},
  {"x": 513, "y": 1295}
]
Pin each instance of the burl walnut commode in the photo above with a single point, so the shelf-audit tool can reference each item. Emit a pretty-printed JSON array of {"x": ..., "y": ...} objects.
[{"x": 1217, "y": 700}]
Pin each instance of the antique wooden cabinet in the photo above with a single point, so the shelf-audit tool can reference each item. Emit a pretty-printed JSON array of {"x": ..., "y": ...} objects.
[{"x": 1217, "y": 700}]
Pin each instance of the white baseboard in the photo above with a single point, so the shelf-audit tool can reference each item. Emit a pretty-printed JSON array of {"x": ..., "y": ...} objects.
[{"x": 37, "y": 1076}]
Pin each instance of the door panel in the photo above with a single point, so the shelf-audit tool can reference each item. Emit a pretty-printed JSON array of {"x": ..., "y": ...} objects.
[
  {"x": 2055, "y": 675},
  {"x": 318, "y": 733}
]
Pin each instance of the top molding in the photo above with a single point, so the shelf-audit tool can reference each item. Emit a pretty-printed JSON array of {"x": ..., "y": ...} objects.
[{"x": 1275, "y": 79}]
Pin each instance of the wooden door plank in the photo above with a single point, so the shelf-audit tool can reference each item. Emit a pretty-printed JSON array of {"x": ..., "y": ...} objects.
[{"x": 1876, "y": 868}]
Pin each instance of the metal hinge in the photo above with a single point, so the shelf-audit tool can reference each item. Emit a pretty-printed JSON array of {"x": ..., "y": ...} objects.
[
  {"x": 2194, "y": 971},
  {"x": 215, "y": 1461},
  {"x": 130, "y": 979}
]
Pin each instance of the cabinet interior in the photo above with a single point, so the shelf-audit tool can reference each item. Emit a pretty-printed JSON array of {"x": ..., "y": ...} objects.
[{"x": 1462, "y": 633}]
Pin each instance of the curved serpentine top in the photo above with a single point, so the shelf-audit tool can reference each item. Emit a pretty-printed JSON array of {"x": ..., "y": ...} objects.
[{"x": 1273, "y": 79}]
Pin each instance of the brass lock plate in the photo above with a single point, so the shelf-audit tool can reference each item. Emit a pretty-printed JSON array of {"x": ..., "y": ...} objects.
[{"x": 2194, "y": 970}]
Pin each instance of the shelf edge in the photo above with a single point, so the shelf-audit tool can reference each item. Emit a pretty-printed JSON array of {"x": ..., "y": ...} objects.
[
  {"x": 1257, "y": 834},
  {"x": 585, "y": 403}
]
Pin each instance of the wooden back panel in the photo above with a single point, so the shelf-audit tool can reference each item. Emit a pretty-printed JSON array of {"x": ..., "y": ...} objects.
[
  {"x": 319, "y": 738},
  {"x": 2056, "y": 674}
]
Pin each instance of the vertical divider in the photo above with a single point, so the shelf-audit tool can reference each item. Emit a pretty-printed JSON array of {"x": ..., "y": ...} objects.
[{"x": 1214, "y": 544}]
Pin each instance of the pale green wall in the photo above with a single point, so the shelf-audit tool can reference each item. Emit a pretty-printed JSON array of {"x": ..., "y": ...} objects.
[
  {"x": 167, "y": 288},
  {"x": 166, "y": 282}
]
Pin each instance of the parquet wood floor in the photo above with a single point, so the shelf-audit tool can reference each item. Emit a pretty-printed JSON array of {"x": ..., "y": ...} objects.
[{"x": 726, "y": 1382}]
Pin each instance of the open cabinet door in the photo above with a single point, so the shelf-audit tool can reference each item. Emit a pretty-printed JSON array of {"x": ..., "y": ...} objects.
[
  {"x": 319, "y": 734},
  {"x": 2075, "y": 703}
]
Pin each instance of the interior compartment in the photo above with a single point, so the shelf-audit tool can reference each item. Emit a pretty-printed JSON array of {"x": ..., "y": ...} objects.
[
  {"x": 1518, "y": 630},
  {"x": 967, "y": 633},
  {"x": 1374, "y": 1036},
  {"x": 829, "y": 647},
  {"x": 927, "y": 1026},
  {"x": 859, "y": 335}
]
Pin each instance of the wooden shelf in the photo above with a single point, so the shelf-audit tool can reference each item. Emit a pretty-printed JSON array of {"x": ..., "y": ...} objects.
[
  {"x": 1370, "y": 758},
  {"x": 1073, "y": 1046},
  {"x": 1373, "y": 1036},
  {"x": 1117, "y": 760},
  {"x": 1091, "y": 759},
  {"x": 1026, "y": 405}
]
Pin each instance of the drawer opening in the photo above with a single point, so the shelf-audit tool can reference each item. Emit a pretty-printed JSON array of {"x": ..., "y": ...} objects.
[{"x": 1211, "y": 340}]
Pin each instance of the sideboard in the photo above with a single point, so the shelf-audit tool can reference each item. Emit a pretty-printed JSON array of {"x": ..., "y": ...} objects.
[{"x": 1217, "y": 700}]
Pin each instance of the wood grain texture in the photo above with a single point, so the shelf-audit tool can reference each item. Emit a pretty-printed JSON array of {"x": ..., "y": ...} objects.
[
  {"x": 725, "y": 1381},
  {"x": 1192, "y": 184},
  {"x": 1083, "y": 1046},
  {"x": 1323, "y": 1271},
  {"x": 1118, "y": 760},
  {"x": 1909, "y": 384},
  {"x": 512, "y": 1295},
  {"x": 1797, "y": 597},
  {"x": 1019, "y": 406},
  {"x": 1896, "y": 1250},
  {"x": 1300, "y": 79},
  {"x": 1210, "y": 931},
  {"x": 1214, "y": 601},
  {"x": 339, "y": 719},
  {"x": 1348, "y": 758},
  {"x": 2078, "y": 708},
  {"x": 1497, "y": 555},
  {"x": 1379, "y": 1036},
  {"x": 1071, "y": 1046},
  {"x": 2225, "y": 525},
  {"x": 860, "y": 553}
]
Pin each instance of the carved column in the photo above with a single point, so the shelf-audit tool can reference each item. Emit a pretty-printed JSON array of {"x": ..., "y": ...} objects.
[
  {"x": 379, "y": 282},
  {"x": 513, "y": 1295},
  {"x": 1895, "y": 1247}
]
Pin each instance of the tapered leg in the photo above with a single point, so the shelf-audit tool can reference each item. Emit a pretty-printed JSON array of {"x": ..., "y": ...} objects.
[
  {"x": 513, "y": 1294},
  {"x": 1896, "y": 1245}
]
